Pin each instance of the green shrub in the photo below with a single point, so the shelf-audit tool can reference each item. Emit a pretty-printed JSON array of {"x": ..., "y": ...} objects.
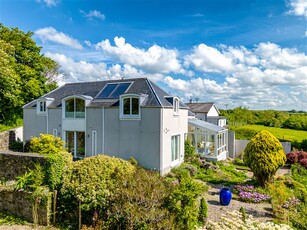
[
  {"x": 56, "y": 166},
  {"x": 92, "y": 180},
  {"x": 31, "y": 180},
  {"x": 58, "y": 160},
  {"x": 238, "y": 161},
  {"x": 189, "y": 150},
  {"x": 183, "y": 202},
  {"x": 46, "y": 144},
  {"x": 203, "y": 211},
  {"x": 264, "y": 155},
  {"x": 139, "y": 203},
  {"x": 16, "y": 146}
]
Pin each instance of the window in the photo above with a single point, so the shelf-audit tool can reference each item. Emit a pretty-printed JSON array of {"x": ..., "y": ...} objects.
[
  {"x": 42, "y": 106},
  {"x": 176, "y": 106},
  {"x": 75, "y": 143},
  {"x": 74, "y": 108},
  {"x": 55, "y": 132},
  {"x": 175, "y": 148},
  {"x": 130, "y": 107}
]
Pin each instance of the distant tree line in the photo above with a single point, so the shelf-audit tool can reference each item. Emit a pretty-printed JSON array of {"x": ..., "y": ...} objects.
[{"x": 271, "y": 118}]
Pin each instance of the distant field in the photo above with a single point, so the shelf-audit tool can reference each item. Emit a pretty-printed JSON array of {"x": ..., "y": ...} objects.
[{"x": 282, "y": 134}]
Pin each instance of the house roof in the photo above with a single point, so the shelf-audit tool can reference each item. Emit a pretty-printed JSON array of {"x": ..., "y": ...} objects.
[
  {"x": 202, "y": 107},
  {"x": 155, "y": 96},
  {"x": 204, "y": 125}
]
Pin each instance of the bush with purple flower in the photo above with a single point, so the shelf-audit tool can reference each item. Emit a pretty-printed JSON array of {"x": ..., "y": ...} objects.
[
  {"x": 291, "y": 202},
  {"x": 248, "y": 193}
]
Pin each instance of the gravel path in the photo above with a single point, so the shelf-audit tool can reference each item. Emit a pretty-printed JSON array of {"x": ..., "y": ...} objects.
[{"x": 262, "y": 211}]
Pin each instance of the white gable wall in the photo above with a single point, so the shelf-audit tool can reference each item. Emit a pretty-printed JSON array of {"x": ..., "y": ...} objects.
[
  {"x": 212, "y": 112},
  {"x": 172, "y": 125}
]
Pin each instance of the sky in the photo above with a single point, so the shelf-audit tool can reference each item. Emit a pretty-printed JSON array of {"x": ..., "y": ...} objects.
[{"x": 249, "y": 53}]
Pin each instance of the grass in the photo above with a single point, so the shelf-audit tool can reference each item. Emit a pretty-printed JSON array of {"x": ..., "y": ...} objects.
[
  {"x": 226, "y": 174},
  {"x": 8, "y": 219},
  {"x": 3, "y": 127},
  {"x": 280, "y": 133}
]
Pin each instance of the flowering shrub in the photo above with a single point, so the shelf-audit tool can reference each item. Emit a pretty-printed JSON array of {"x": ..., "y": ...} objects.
[
  {"x": 291, "y": 202},
  {"x": 249, "y": 194},
  {"x": 236, "y": 221},
  {"x": 297, "y": 157}
]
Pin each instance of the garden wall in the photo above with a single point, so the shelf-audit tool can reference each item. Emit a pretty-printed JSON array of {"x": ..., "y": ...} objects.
[
  {"x": 241, "y": 144},
  {"x": 10, "y": 136},
  {"x": 21, "y": 204},
  {"x": 14, "y": 164}
]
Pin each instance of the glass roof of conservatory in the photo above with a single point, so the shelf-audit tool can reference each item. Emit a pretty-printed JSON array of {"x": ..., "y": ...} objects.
[{"x": 204, "y": 125}]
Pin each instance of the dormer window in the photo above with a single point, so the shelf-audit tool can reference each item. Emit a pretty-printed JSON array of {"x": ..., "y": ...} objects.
[
  {"x": 176, "y": 105},
  {"x": 130, "y": 107},
  {"x": 74, "y": 108},
  {"x": 42, "y": 106}
]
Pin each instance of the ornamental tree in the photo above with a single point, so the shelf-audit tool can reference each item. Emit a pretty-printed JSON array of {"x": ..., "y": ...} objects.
[{"x": 264, "y": 155}]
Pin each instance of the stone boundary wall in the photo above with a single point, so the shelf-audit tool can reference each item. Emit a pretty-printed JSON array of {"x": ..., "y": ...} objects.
[
  {"x": 10, "y": 136},
  {"x": 21, "y": 204},
  {"x": 14, "y": 164}
]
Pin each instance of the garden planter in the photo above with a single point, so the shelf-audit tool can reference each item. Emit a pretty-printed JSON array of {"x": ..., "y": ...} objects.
[{"x": 225, "y": 196}]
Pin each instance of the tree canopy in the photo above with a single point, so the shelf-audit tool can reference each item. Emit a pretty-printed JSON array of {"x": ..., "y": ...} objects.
[{"x": 25, "y": 73}]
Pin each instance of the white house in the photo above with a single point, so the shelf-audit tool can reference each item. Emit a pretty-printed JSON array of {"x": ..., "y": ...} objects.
[
  {"x": 207, "y": 111},
  {"x": 122, "y": 118}
]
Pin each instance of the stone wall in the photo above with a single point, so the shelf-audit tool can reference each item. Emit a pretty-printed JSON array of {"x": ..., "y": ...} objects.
[
  {"x": 21, "y": 204},
  {"x": 16, "y": 164},
  {"x": 10, "y": 136},
  {"x": 4, "y": 140}
]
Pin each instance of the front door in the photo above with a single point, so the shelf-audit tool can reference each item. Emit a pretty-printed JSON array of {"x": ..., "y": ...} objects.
[{"x": 75, "y": 143}]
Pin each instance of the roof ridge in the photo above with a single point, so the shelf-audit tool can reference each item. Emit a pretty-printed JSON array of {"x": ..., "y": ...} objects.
[
  {"x": 153, "y": 91},
  {"x": 110, "y": 80}
]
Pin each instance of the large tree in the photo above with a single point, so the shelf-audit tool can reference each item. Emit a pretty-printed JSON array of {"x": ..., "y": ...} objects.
[{"x": 25, "y": 73}]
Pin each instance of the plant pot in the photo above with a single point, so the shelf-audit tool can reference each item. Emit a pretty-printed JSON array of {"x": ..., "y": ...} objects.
[{"x": 225, "y": 196}]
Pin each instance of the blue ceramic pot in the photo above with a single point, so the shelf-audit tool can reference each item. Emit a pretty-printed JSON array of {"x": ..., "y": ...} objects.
[{"x": 225, "y": 196}]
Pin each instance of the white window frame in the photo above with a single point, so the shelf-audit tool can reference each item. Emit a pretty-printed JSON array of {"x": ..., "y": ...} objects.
[
  {"x": 39, "y": 107},
  {"x": 55, "y": 132},
  {"x": 176, "y": 106},
  {"x": 94, "y": 143},
  {"x": 64, "y": 107},
  {"x": 176, "y": 161},
  {"x": 129, "y": 116}
]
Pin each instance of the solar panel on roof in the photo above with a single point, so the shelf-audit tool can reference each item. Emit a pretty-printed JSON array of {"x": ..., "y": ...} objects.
[
  {"x": 120, "y": 89},
  {"x": 107, "y": 90}
]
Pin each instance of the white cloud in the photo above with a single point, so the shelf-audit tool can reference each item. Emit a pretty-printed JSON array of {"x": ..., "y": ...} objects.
[
  {"x": 49, "y": 3},
  {"x": 208, "y": 59},
  {"x": 51, "y": 34},
  {"x": 298, "y": 7},
  {"x": 261, "y": 77},
  {"x": 92, "y": 14},
  {"x": 154, "y": 60},
  {"x": 78, "y": 71}
]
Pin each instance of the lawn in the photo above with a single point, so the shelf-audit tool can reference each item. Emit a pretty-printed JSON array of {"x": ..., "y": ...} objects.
[
  {"x": 3, "y": 127},
  {"x": 280, "y": 133}
]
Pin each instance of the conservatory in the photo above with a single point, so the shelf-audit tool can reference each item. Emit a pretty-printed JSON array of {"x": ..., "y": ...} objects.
[{"x": 210, "y": 140}]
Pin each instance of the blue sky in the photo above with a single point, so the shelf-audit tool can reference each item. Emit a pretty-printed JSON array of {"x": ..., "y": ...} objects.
[{"x": 239, "y": 53}]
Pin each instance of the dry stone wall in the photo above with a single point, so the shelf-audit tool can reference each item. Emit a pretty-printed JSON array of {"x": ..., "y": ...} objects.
[
  {"x": 16, "y": 164},
  {"x": 20, "y": 203}
]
